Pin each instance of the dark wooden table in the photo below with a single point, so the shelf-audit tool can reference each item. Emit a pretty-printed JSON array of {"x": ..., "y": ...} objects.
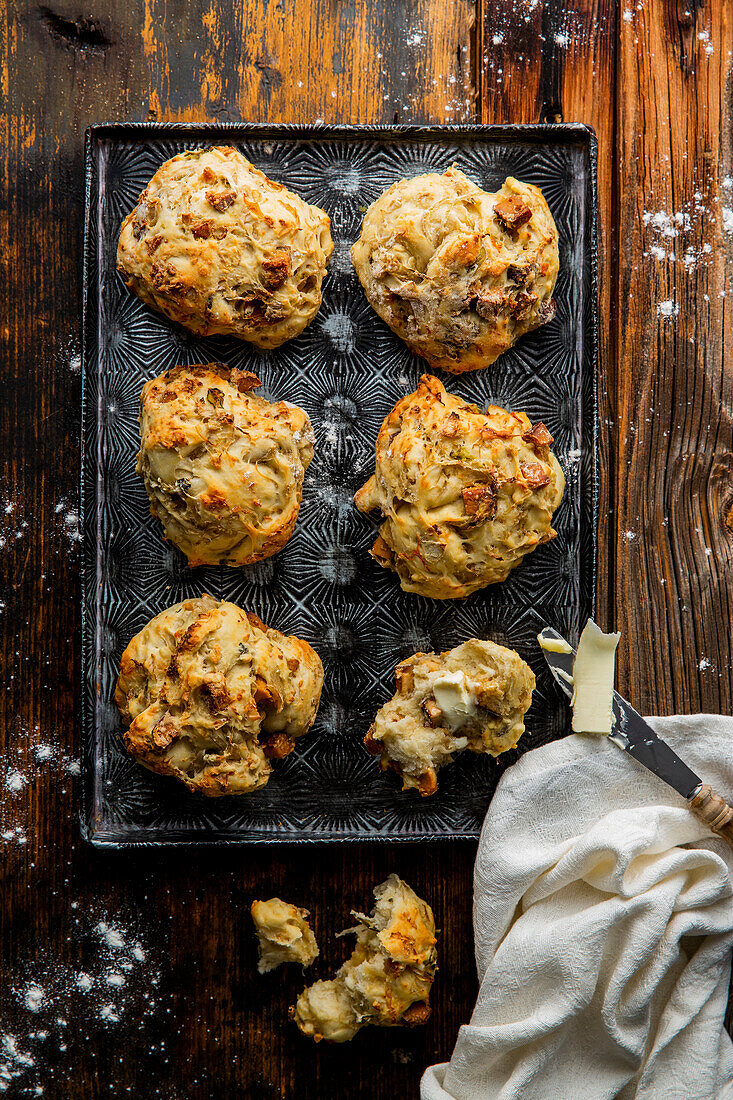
[{"x": 192, "y": 1020}]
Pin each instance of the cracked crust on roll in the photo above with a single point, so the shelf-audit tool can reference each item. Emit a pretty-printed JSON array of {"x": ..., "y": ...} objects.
[
  {"x": 210, "y": 695},
  {"x": 387, "y": 980},
  {"x": 465, "y": 495},
  {"x": 223, "y": 467},
  {"x": 283, "y": 933},
  {"x": 472, "y": 697},
  {"x": 459, "y": 273},
  {"x": 217, "y": 246}
]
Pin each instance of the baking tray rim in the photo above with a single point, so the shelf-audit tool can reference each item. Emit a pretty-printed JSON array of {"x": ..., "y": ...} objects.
[{"x": 561, "y": 133}]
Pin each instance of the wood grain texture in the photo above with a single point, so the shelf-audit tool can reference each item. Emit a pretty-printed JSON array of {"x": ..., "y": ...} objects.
[
  {"x": 673, "y": 427},
  {"x": 301, "y": 61},
  {"x": 197, "y": 1020}
]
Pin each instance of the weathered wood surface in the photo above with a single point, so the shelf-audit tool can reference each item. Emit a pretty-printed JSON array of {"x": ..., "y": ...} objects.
[
  {"x": 673, "y": 474},
  {"x": 652, "y": 79}
]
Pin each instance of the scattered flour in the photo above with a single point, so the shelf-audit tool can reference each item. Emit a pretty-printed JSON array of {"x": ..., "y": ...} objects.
[
  {"x": 668, "y": 225},
  {"x": 572, "y": 462},
  {"x": 45, "y": 753},
  {"x": 69, "y": 356},
  {"x": 69, "y": 516},
  {"x": 15, "y": 781},
  {"x": 16, "y": 835},
  {"x": 676, "y": 237},
  {"x": 13, "y": 1062},
  {"x": 50, "y": 995},
  {"x": 34, "y": 997},
  {"x": 37, "y": 758},
  {"x": 12, "y": 525},
  {"x": 112, "y": 936},
  {"x": 330, "y": 435}
]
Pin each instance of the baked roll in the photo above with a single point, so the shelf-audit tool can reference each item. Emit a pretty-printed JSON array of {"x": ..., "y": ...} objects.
[
  {"x": 210, "y": 696},
  {"x": 387, "y": 980},
  {"x": 217, "y": 246},
  {"x": 472, "y": 697},
  {"x": 223, "y": 467},
  {"x": 465, "y": 495},
  {"x": 459, "y": 273}
]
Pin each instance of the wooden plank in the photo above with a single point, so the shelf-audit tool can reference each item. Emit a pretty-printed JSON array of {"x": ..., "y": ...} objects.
[
  {"x": 301, "y": 61},
  {"x": 197, "y": 1021},
  {"x": 673, "y": 431}
]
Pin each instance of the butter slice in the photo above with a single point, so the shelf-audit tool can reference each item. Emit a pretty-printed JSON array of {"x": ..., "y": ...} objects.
[
  {"x": 593, "y": 675},
  {"x": 454, "y": 698}
]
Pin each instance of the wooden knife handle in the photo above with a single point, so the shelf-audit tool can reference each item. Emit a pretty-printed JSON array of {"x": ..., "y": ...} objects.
[{"x": 714, "y": 812}]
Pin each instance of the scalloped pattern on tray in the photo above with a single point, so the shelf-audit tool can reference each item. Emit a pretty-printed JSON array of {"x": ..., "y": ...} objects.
[{"x": 347, "y": 370}]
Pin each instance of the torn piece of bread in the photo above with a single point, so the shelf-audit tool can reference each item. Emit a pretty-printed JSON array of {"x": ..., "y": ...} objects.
[
  {"x": 284, "y": 934},
  {"x": 388, "y": 978},
  {"x": 472, "y": 697}
]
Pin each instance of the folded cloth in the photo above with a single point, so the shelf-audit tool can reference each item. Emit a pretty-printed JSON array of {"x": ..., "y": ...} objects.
[{"x": 603, "y": 917}]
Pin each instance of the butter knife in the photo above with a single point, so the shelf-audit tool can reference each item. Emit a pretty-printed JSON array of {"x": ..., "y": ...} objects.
[{"x": 636, "y": 737}]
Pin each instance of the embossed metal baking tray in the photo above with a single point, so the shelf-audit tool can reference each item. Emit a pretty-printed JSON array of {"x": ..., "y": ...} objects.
[{"x": 347, "y": 370}]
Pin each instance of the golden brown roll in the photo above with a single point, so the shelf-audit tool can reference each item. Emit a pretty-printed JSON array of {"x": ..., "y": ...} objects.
[
  {"x": 472, "y": 697},
  {"x": 458, "y": 273},
  {"x": 217, "y": 246},
  {"x": 387, "y": 980},
  {"x": 464, "y": 494},
  {"x": 223, "y": 468},
  {"x": 211, "y": 695}
]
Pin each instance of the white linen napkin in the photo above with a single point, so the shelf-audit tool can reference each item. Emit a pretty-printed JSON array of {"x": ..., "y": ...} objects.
[{"x": 603, "y": 917}]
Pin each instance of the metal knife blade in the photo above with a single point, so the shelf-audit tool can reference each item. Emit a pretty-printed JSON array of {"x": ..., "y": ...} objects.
[{"x": 630, "y": 732}]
